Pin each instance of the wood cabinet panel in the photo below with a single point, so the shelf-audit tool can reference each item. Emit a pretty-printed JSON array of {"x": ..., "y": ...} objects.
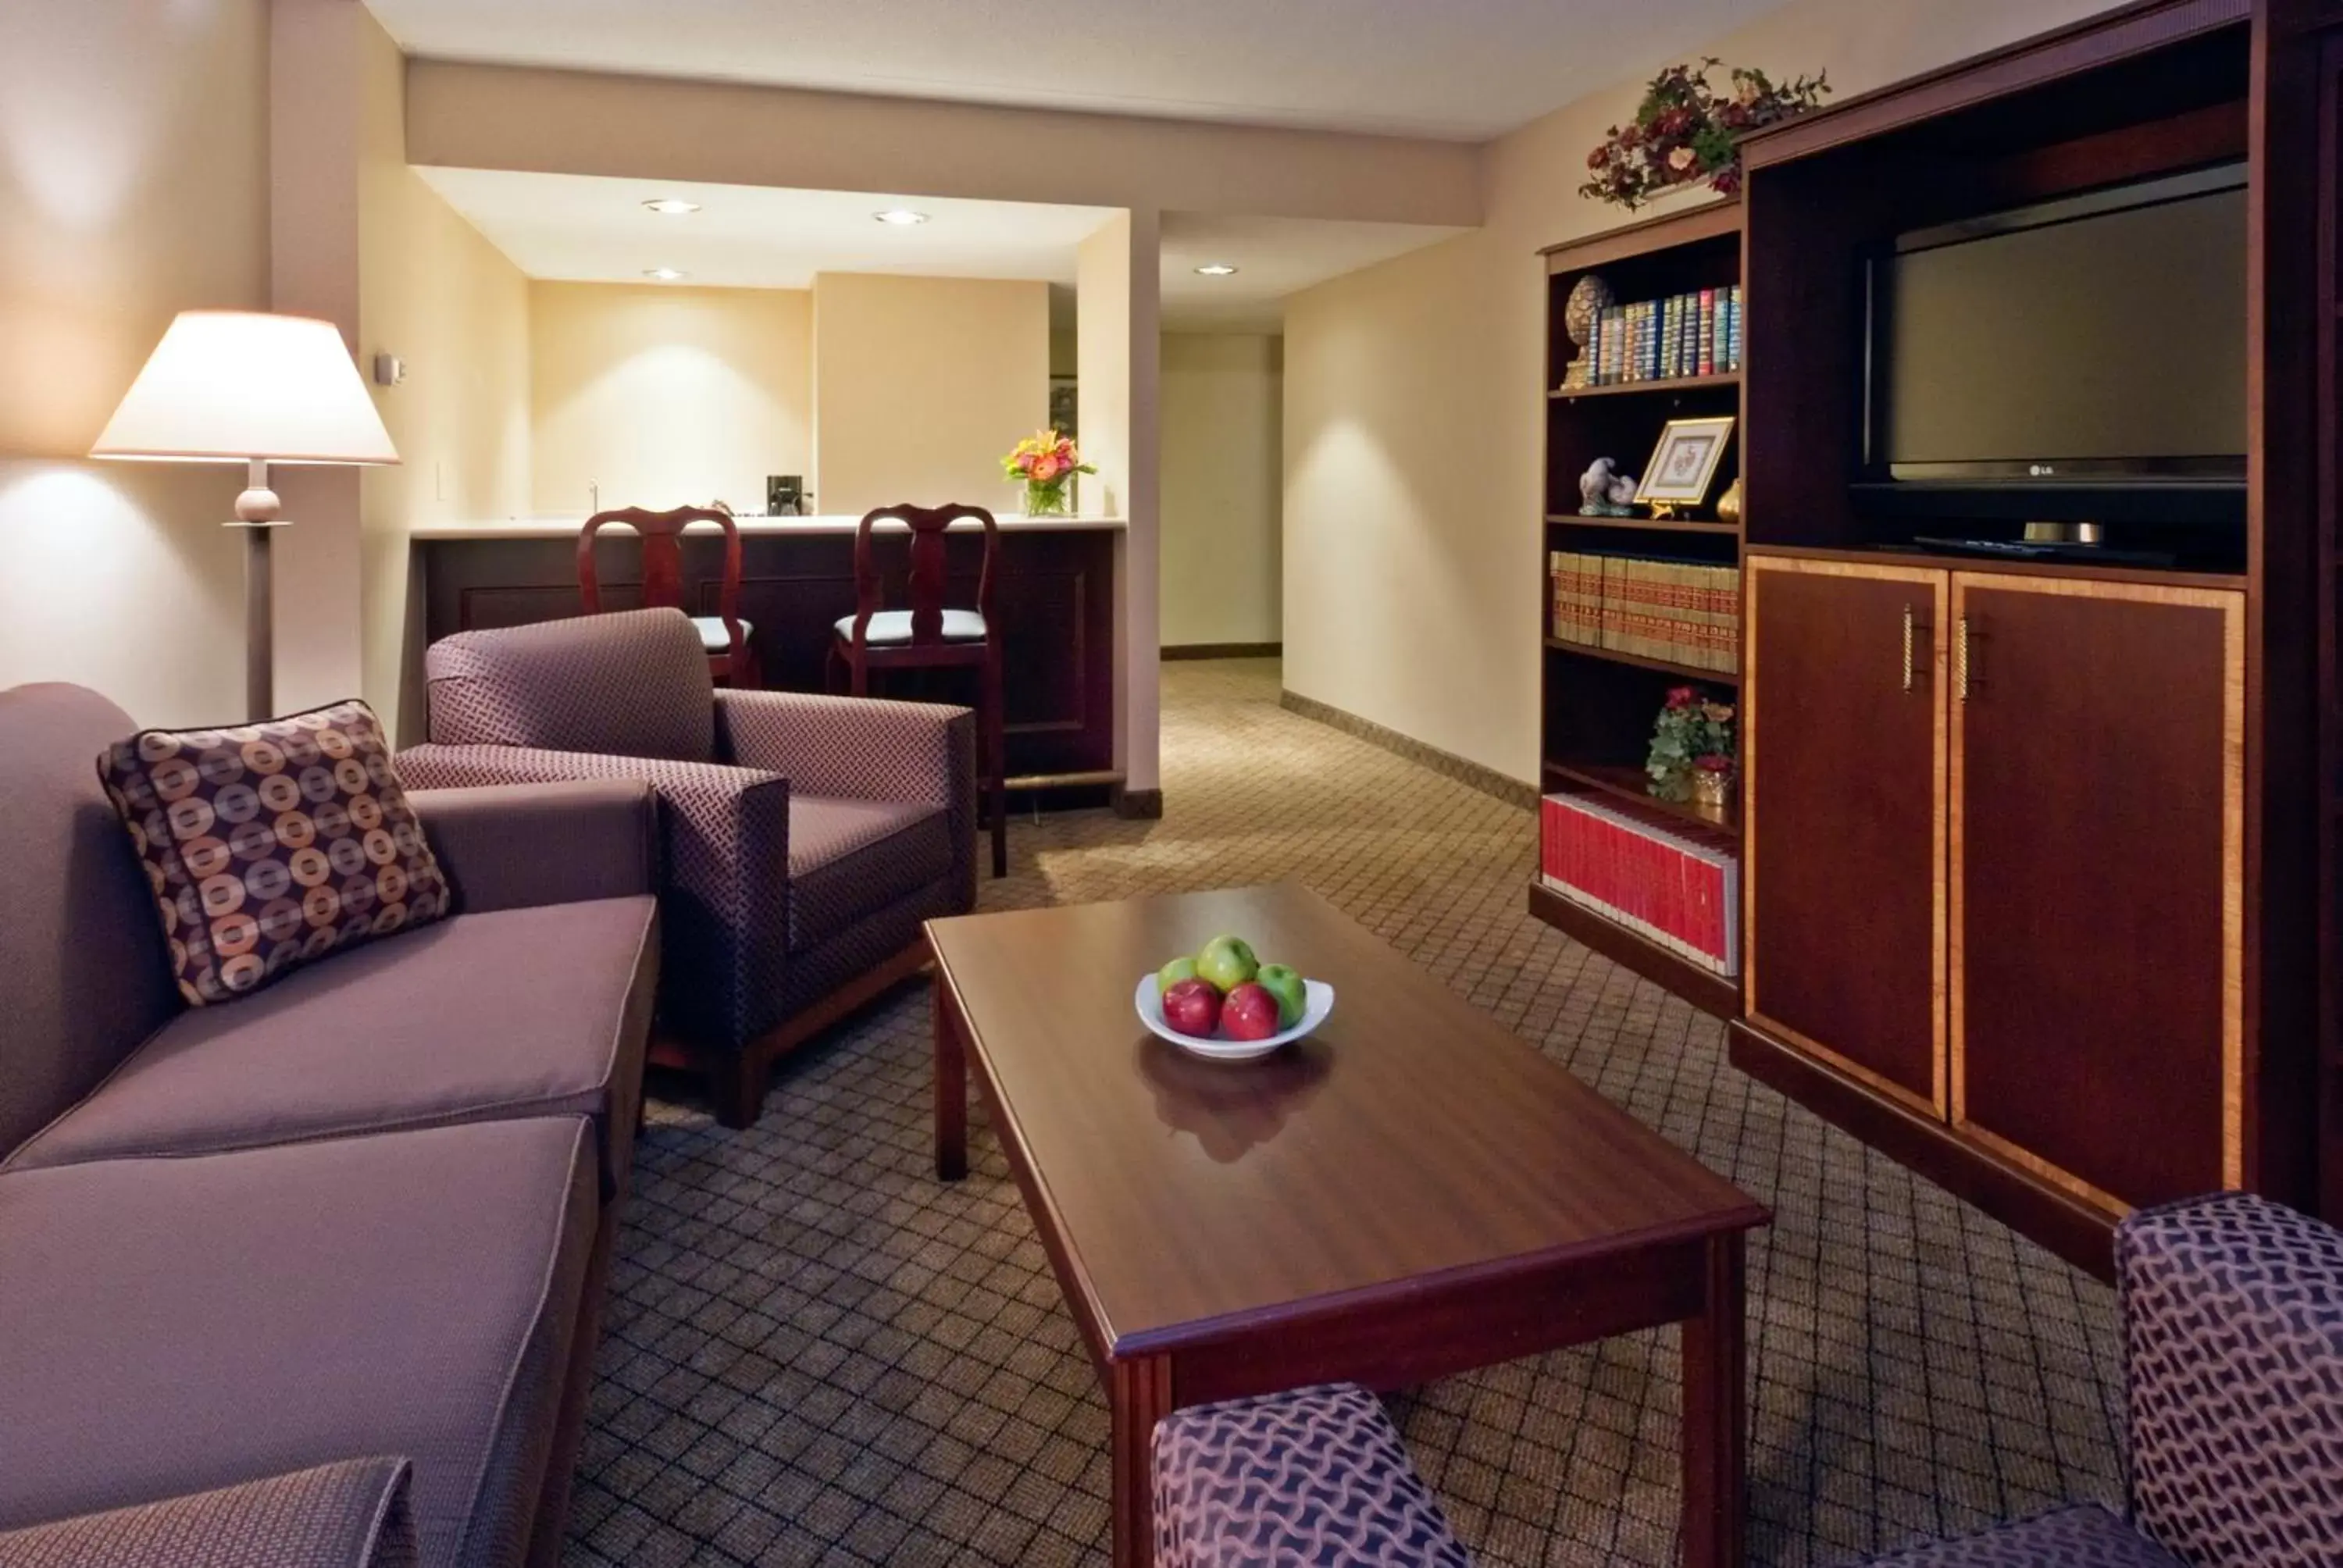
[
  {"x": 1844, "y": 751},
  {"x": 2096, "y": 783}
]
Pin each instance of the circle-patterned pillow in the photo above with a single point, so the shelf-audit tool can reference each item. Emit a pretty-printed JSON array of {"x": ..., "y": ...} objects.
[{"x": 271, "y": 845}]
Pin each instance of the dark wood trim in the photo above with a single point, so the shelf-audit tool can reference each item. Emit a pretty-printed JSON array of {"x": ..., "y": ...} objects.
[
  {"x": 2033, "y": 62},
  {"x": 1988, "y": 566},
  {"x": 2073, "y": 1228},
  {"x": 1710, "y": 220},
  {"x": 1663, "y": 666},
  {"x": 1711, "y": 993},
  {"x": 1660, "y": 384},
  {"x": 1179, "y": 650},
  {"x": 1487, "y": 781}
]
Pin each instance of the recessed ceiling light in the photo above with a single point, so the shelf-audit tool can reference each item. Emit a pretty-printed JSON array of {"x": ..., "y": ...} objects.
[
  {"x": 672, "y": 207},
  {"x": 901, "y": 216},
  {"x": 664, "y": 274},
  {"x": 1217, "y": 269}
]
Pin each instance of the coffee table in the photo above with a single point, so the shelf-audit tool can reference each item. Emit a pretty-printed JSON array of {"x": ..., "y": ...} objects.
[{"x": 1409, "y": 1194}]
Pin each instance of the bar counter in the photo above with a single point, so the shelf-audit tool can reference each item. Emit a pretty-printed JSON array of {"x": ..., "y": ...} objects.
[{"x": 1053, "y": 608}]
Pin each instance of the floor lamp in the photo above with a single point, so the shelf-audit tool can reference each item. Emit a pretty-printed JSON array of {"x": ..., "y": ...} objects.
[{"x": 233, "y": 386}]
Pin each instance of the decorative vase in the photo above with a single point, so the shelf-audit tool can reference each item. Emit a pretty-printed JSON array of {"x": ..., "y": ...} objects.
[
  {"x": 1048, "y": 500},
  {"x": 1709, "y": 787},
  {"x": 1728, "y": 505}
]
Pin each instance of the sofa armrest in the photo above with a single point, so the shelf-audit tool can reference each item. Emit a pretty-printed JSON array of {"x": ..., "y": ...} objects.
[
  {"x": 860, "y": 747},
  {"x": 724, "y": 876},
  {"x": 1318, "y": 1476},
  {"x": 2232, "y": 1310},
  {"x": 505, "y": 847},
  {"x": 353, "y": 1514}
]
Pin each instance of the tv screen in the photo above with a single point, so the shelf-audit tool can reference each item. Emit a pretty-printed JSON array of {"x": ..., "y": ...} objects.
[{"x": 2101, "y": 337}]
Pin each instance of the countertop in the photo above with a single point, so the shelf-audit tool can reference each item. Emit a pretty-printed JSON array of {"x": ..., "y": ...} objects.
[{"x": 566, "y": 527}]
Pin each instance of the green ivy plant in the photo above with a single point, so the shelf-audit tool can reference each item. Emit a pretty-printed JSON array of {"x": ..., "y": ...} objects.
[{"x": 1694, "y": 734}]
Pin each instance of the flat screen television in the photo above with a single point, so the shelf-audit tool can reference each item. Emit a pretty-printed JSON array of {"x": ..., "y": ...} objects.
[{"x": 2081, "y": 360}]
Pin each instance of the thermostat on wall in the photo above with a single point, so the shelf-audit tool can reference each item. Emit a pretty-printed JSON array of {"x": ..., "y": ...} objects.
[{"x": 389, "y": 369}]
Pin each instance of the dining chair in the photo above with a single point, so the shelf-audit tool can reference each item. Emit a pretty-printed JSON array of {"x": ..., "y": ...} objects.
[
  {"x": 930, "y": 635},
  {"x": 731, "y": 659}
]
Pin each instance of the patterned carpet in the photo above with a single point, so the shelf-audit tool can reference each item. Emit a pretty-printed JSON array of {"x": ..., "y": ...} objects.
[{"x": 815, "y": 1352}]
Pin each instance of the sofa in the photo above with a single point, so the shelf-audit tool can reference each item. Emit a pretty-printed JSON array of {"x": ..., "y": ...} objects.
[
  {"x": 2232, "y": 1322},
  {"x": 805, "y": 839},
  {"x": 317, "y": 1272}
]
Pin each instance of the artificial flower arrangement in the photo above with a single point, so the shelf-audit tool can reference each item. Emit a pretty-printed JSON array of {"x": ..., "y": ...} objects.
[
  {"x": 1045, "y": 462},
  {"x": 1683, "y": 131},
  {"x": 1692, "y": 748}
]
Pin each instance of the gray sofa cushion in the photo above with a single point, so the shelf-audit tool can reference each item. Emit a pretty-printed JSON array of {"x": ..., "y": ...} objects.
[
  {"x": 353, "y": 1514},
  {"x": 526, "y": 1011},
  {"x": 849, "y": 859},
  {"x": 172, "y": 1326},
  {"x": 84, "y": 972}
]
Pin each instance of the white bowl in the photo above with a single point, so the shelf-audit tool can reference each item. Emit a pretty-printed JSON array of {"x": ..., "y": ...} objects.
[{"x": 1319, "y": 1001}]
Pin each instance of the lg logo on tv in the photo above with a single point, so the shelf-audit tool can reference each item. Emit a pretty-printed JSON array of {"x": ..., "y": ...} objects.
[{"x": 2040, "y": 470}]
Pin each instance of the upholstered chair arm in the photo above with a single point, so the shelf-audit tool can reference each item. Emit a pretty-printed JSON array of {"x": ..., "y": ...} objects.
[
  {"x": 2232, "y": 1312},
  {"x": 863, "y": 748},
  {"x": 507, "y": 846},
  {"x": 353, "y": 1514},
  {"x": 724, "y": 854},
  {"x": 1318, "y": 1476}
]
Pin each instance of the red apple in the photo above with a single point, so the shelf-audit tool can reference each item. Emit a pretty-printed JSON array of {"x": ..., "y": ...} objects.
[
  {"x": 1193, "y": 1007},
  {"x": 1251, "y": 1013}
]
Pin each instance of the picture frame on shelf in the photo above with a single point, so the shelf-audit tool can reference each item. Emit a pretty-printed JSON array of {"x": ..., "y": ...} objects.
[{"x": 1685, "y": 463}]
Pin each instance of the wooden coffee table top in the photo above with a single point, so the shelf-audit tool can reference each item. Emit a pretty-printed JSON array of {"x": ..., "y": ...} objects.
[{"x": 1411, "y": 1137}]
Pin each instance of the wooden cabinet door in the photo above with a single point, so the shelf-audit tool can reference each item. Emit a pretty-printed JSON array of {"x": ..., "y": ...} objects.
[
  {"x": 1844, "y": 855},
  {"x": 2097, "y": 853}
]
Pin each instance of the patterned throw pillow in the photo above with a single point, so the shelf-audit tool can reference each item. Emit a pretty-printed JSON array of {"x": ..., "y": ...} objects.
[{"x": 269, "y": 845}]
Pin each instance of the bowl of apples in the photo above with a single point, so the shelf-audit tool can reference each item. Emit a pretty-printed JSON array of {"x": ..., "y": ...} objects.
[{"x": 1223, "y": 1003}]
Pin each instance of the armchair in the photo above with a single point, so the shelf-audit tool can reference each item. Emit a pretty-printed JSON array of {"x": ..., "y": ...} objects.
[
  {"x": 2232, "y": 1312},
  {"x": 805, "y": 839}
]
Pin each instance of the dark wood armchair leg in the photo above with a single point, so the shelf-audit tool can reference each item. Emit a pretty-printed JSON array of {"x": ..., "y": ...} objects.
[
  {"x": 737, "y": 1085},
  {"x": 996, "y": 761}
]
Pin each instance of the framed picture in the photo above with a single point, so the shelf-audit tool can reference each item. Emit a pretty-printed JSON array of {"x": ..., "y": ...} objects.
[{"x": 1685, "y": 463}]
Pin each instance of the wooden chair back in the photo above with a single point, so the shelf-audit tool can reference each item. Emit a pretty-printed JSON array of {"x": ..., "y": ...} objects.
[
  {"x": 662, "y": 535},
  {"x": 926, "y": 578}
]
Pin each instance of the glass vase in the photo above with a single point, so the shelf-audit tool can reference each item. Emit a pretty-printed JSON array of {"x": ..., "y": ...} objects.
[{"x": 1048, "y": 500}]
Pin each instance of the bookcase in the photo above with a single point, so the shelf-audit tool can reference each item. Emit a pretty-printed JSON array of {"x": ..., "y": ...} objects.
[{"x": 1606, "y": 666}]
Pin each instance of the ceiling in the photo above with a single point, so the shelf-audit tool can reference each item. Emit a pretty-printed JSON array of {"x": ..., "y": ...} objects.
[
  {"x": 1464, "y": 70},
  {"x": 595, "y": 229}
]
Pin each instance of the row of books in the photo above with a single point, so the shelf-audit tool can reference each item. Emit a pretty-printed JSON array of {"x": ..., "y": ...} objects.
[
  {"x": 1685, "y": 895},
  {"x": 1695, "y": 334},
  {"x": 1678, "y": 611}
]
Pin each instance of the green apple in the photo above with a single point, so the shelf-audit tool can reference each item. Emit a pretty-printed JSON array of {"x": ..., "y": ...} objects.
[
  {"x": 1283, "y": 981},
  {"x": 1227, "y": 963},
  {"x": 1172, "y": 973}
]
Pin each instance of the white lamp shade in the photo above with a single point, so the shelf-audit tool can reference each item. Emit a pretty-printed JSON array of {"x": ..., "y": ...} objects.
[{"x": 233, "y": 385}]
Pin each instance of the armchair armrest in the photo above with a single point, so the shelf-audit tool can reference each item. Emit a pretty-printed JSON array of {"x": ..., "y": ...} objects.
[
  {"x": 724, "y": 889},
  {"x": 353, "y": 1514},
  {"x": 860, "y": 747},
  {"x": 2232, "y": 1310},
  {"x": 1318, "y": 1476},
  {"x": 505, "y": 847}
]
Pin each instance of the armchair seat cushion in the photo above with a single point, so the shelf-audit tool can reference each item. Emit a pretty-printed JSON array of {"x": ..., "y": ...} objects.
[
  {"x": 850, "y": 858},
  {"x": 892, "y": 627},
  {"x": 352, "y": 1514},
  {"x": 532, "y": 1012},
  {"x": 169, "y": 1327},
  {"x": 2084, "y": 1537},
  {"x": 712, "y": 634}
]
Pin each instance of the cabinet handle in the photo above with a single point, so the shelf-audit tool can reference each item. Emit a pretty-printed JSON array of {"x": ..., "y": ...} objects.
[
  {"x": 1961, "y": 661},
  {"x": 1908, "y": 646}
]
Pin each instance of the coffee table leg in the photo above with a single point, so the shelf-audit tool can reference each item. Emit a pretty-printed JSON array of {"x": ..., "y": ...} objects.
[
  {"x": 1141, "y": 1393},
  {"x": 951, "y": 1089},
  {"x": 1715, "y": 1414}
]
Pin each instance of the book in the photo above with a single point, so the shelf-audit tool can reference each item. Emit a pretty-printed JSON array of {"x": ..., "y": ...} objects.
[
  {"x": 1706, "y": 334},
  {"x": 1679, "y": 892}
]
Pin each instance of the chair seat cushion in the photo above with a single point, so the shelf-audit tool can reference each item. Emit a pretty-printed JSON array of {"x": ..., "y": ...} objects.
[
  {"x": 894, "y": 626},
  {"x": 518, "y": 1012},
  {"x": 1312, "y": 1479},
  {"x": 850, "y": 858},
  {"x": 2083, "y": 1537},
  {"x": 712, "y": 634},
  {"x": 353, "y": 1514},
  {"x": 174, "y": 1326}
]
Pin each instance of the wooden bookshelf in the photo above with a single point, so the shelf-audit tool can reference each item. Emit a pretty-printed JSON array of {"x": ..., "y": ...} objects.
[
  {"x": 1644, "y": 525},
  {"x": 1662, "y": 384},
  {"x": 1639, "y": 661}
]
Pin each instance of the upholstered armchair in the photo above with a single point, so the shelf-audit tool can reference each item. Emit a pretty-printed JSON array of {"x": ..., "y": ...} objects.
[
  {"x": 806, "y": 837},
  {"x": 2232, "y": 1312}
]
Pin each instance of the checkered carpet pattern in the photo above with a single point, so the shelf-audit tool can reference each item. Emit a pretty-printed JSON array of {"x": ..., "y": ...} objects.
[{"x": 816, "y": 1353}]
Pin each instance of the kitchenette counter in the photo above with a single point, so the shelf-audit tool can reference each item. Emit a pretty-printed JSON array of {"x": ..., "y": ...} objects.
[{"x": 750, "y": 526}]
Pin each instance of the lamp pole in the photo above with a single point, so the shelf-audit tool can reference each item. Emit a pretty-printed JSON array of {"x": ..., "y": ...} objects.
[{"x": 256, "y": 514}]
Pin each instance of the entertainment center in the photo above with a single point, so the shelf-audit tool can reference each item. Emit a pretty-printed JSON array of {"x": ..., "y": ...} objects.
[{"x": 2037, "y": 442}]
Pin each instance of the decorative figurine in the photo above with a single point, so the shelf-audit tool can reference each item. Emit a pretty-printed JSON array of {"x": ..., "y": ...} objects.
[
  {"x": 1590, "y": 297},
  {"x": 1604, "y": 492},
  {"x": 1728, "y": 505}
]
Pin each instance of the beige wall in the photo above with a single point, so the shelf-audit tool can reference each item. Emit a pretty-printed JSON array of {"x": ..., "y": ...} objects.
[
  {"x": 435, "y": 293},
  {"x": 1222, "y": 399},
  {"x": 1413, "y": 424},
  {"x": 669, "y": 396},
  {"x": 133, "y": 175},
  {"x": 1117, "y": 352},
  {"x": 921, "y": 384}
]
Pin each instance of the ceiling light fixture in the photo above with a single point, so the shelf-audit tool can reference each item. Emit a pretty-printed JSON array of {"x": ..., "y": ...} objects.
[
  {"x": 672, "y": 207},
  {"x": 1217, "y": 269},
  {"x": 901, "y": 216},
  {"x": 664, "y": 274}
]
